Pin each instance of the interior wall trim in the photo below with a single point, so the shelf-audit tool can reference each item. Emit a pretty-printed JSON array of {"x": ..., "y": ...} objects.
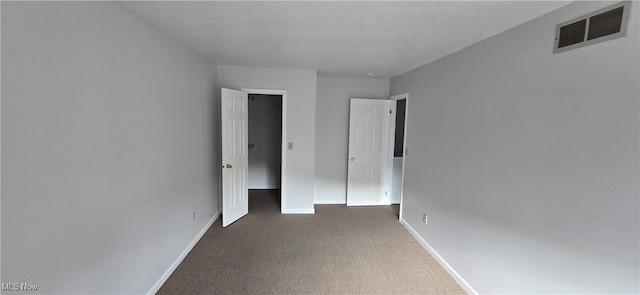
[
  {"x": 456, "y": 276},
  {"x": 154, "y": 289}
]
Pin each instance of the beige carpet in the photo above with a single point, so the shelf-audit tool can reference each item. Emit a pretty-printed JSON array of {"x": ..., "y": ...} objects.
[{"x": 338, "y": 250}]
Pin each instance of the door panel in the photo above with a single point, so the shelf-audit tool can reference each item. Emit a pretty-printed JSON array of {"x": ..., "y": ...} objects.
[
  {"x": 235, "y": 199},
  {"x": 368, "y": 177}
]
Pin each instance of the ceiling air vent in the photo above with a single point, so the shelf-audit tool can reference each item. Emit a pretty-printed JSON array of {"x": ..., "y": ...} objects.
[{"x": 602, "y": 25}]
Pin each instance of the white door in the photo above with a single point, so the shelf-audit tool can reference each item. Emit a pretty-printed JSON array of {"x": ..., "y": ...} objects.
[
  {"x": 368, "y": 173},
  {"x": 235, "y": 200}
]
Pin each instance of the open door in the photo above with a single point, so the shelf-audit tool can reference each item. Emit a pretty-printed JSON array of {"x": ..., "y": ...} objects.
[
  {"x": 368, "y": 173},
  {"x": 235, "y": 199}
]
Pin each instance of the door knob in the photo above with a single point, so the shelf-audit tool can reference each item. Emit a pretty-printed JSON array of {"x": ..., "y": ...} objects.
[
  {"x": 229, "y": 166},
  {"x": 353, "y": 159}
]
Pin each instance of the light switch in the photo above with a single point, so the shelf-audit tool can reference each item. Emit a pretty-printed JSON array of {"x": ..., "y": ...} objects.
[{"x": 290, "y": 146}]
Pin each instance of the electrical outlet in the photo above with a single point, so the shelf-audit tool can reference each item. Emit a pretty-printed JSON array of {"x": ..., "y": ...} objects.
[
  {"x": 425, "y": 218},
  {"x": 193, "y": 216}
]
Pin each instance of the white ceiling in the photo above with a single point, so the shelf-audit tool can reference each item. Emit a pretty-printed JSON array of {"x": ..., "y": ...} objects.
[{"x": 336, "y": 38}]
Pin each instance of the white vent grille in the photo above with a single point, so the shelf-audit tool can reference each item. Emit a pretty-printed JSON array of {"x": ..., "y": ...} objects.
[{"x": 602, "y": 25}]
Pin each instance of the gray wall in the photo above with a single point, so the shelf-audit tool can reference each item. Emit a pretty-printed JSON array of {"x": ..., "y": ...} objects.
[
  {"x": 301, "y": 118},
  {"x": 265, "y": 130},
  {"x": 527, "y": 162},
  {"x": 108, "y": 137},
  {"x": 332, "y": 131}
]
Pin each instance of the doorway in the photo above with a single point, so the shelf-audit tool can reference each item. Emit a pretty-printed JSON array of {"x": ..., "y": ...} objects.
[
  {"x": 398, "y": 149},
  {"x": 264, "y": 151},
  {"x": 267, "y": 121},
  {"x": 377, "y": 152},
  {"x": 234, "y": 152}
]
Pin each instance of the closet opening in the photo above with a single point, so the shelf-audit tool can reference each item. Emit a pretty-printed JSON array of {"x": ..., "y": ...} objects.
[{"x": 264, "y": 152}]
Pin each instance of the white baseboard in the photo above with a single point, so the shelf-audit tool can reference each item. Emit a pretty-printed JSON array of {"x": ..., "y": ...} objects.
[
  {"x": 367, "y": 204},
  {"x": 331, "y": 202},
  {"x": 344, "y": 202},
  {"x": 184, "y": 253},
  {"x": 298, "y": 211},
  {"x": 439, "y": 258}
]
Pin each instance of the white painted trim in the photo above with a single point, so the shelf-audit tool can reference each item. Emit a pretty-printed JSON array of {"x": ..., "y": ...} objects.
[
  {"x": 332, "y": 202},
  {"x": 299, "y": 211},
  {"x": 283, "y": 166},
  {"x": 456, "y": 276},
  {"x": 404, "y": 153},
  {"x": 368, "y": 204},
  {"x": 165, "y": 276},
  {"x": 399, "y": 96}
]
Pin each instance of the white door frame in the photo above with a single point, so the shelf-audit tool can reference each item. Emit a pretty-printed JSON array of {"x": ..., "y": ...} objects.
[
  {"x": 404, "y": 144},
  {"x": 283, "y": 165}
]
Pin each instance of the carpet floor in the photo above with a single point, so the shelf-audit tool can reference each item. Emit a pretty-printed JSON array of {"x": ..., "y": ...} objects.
[{"x": 339, "y": 250}]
